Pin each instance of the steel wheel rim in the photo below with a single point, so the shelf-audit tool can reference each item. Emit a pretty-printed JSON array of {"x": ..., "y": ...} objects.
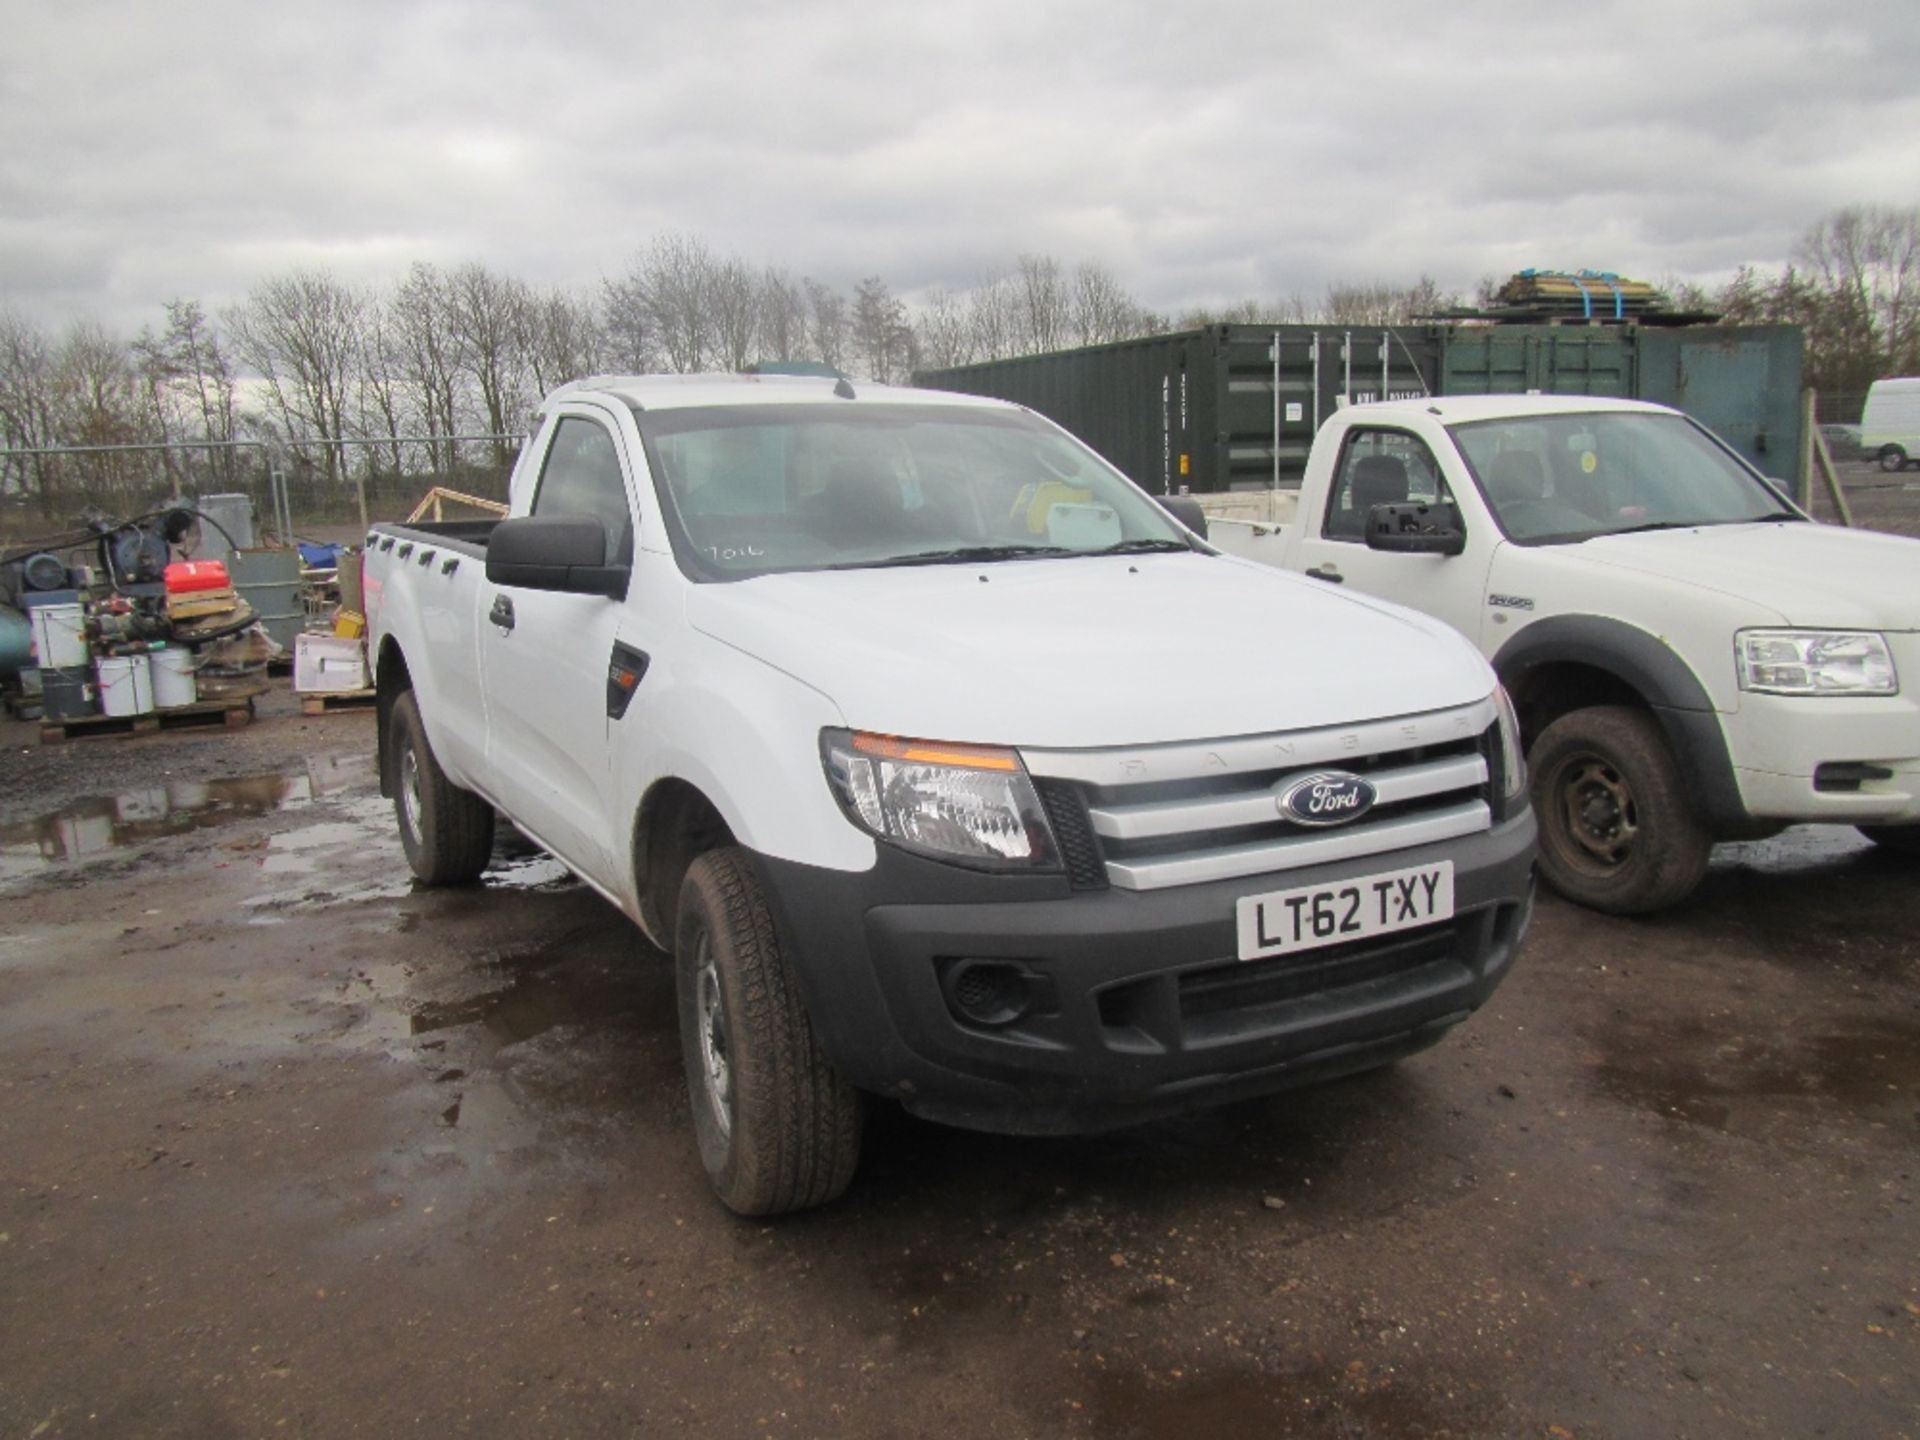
[
  {"x": 716, "y": 1067},
  {"x": 1597, "y": 810},
  {"x": 410, "y": 791}
]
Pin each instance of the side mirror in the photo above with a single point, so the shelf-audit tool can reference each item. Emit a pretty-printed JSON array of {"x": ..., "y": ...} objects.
[
  {"x": 555, "y": 552},
  {"x": 1415, "y": 529},
  {"x": 1187, "y": 511}
]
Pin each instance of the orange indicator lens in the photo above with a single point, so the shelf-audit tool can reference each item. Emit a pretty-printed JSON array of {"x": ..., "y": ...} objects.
[{"x": 929, "y": 752}]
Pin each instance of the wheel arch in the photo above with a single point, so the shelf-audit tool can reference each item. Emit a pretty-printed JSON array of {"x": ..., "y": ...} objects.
[
  {"x": 1567, "y": 662},
  {"x": 391, "y": 679},
  {"x": 675, "y": 824}
]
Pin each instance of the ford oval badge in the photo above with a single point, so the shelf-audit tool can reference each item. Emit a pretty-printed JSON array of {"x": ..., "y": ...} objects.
[{"x": 1332, "y": 797}]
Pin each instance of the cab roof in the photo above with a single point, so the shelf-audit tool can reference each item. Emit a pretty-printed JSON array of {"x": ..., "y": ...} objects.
[
  {"x": 676, "y": 392},
  {"x": 1454, "y": 409}
]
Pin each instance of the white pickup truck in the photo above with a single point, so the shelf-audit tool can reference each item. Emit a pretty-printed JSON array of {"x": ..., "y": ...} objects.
[
  {"x": 948, "y": 766},
  {"x": 1692, "y": 658}
]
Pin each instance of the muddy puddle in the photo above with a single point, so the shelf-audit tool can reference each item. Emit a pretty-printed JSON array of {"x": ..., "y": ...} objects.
[
  {"x": 1746, "y": 1083},
  {"x": 99, "y": 825},
  {"x": 1802, "y": 849}
]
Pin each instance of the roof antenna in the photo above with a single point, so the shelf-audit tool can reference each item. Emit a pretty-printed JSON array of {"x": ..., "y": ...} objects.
[{"x": 842, "y": 390}]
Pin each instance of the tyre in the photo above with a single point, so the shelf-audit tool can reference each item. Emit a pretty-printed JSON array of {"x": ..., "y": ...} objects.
[
  {"x": 1892, "y": 458},
  {"x": 1905, "y": 839},
  {"x": 1617, "y": 832},
  {"x": 447, "y": 832},
  {"x": 779, "y": 1130}
]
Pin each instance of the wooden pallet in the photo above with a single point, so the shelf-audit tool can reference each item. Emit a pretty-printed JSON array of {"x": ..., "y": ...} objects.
[
  {"x": 227, "y": 714},
  {"x": 328, "y": 702}
]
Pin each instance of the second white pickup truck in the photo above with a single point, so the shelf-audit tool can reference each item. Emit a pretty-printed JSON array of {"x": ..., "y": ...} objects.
[
  {"x": 938, "y": 756},
  {"x": 1692, "y": 658}
]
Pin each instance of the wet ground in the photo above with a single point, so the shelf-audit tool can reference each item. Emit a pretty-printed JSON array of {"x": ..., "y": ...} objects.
[{"x": 288, "y": 1147}]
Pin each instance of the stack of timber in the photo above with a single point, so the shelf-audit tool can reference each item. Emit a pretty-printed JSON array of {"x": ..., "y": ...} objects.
[{"x": 1582, "y": 295}]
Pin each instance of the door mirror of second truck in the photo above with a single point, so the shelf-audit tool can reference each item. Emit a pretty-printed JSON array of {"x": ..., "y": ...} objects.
[
  {"x": 555, "y": 552},
  {"x": 1187, "y": 511},
  {"x": 1415, "y": 529}
]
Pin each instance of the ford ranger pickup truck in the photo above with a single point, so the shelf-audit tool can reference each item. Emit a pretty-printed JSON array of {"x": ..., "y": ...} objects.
[
  {"x": 1692, "y": 658},
  {"x": 947, "y": 765}
]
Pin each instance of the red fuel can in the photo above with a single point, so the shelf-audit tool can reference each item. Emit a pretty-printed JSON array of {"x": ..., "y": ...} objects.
[{"x": 185, "y": 577}]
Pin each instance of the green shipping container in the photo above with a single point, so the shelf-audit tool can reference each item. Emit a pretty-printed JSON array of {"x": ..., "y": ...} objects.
[{"x": 1235, "y": 407}]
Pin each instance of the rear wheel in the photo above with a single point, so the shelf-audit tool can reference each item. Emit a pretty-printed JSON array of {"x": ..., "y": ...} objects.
[
  {"x": 1892, "y": 458},
  {"x": 1617, "y": 832},
  {"x": 1902, "y": 838},
  {"x": 447, "y": 832},
  {"x": 779, "y": 1130}
]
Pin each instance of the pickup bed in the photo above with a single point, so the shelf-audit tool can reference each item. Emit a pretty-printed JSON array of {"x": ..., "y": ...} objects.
[
  {"x": 1692, "y": 658},
  {"x": 935, "y": 754}
]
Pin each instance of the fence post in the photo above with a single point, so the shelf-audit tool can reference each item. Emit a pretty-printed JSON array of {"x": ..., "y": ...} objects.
[{"x": 1803, "y": 482}]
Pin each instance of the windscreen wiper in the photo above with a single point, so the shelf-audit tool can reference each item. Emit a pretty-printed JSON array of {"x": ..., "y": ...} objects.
[
  {"x": 960, "y": 556},
  {"x": 1143, "y": 547},
  {"x": 1659, "y": 525}
]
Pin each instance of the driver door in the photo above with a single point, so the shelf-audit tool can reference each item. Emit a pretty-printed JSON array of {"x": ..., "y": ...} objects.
[
  {"x": 1379, "y": 465},
  {"x": 544, "y": 660}
]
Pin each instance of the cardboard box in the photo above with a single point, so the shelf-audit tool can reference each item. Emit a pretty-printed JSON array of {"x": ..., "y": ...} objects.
[{"x": 328, "y": 664}]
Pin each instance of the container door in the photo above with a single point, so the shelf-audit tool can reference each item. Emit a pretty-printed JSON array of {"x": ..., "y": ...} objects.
[{"x": 1741, "y": 383}]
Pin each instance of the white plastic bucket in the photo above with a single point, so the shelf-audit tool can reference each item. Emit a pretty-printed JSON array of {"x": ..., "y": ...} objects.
[
  {"x": 59, "y": 635},
  {"x": 126, "y": 684},
  {"x": 173, "y": 682}
]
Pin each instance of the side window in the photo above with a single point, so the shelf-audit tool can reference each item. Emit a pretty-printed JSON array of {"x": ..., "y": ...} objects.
[
  {"x": 1380, "y": 467},
  {"x": 581, "y": 476}
]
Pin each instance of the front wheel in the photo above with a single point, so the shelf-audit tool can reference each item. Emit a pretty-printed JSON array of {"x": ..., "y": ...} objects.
[
  {"x": 1903, "y": 839},
  {"x": 779, "y": 1130},
  {"x": 1892, "y": 458},
  {"x": 447, "y": 832},
  {"x": 1617, "y": 832}
]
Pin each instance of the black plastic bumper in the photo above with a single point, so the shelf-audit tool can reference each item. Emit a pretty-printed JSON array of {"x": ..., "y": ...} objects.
[{"x": 1137, "y": 1002}]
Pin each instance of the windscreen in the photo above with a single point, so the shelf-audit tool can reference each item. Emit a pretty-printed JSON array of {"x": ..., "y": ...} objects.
[
  {"x": 753, "y": 489},
  {"x": 1556, "y": 479}
]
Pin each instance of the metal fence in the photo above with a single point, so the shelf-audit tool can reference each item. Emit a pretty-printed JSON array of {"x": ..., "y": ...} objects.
[{"x": 310, "y": 490}]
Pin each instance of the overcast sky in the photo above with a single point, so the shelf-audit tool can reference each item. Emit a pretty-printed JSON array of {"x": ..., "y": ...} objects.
[{"x": 1206, "y": 152}]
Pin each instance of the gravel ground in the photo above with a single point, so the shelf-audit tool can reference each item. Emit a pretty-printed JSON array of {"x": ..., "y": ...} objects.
[{"x": 290, "y": 1147}]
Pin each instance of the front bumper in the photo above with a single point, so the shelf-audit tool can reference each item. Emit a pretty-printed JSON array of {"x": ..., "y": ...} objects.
[
  {"x": 1143, "y": 1007},
  {"x": 1782, "y": 746}
]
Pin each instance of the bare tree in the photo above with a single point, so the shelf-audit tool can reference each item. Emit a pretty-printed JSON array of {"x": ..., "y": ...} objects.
[
  {"x": 560, "y": 339},
  {"x": 429, "y": 357},
  {"x": 784, "y": 313},
  {"x": 880, "y": 331},
  {"x": 1102, "y": 310},
  {"x": 945, "y": 337},
  {"x": 733, "y": 304},
  {"x": 300, "y": 332},
  {"x": 829, "y": 323},
  {"x": 483, "y": 315},
  {"x": 673, "y": 280},
  {"x": 28, "y": 420},
  {"x": 626, "y": 323},
  {"x": 1864, "y": 263},
  {"x": 1046, "y": 307}
]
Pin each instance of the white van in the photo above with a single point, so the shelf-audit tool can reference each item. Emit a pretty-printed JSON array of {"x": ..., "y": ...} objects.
[{"x": 1890, "y": 425}]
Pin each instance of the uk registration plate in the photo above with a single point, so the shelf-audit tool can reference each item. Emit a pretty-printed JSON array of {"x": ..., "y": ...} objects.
[{"x": 1284, "y": 922}]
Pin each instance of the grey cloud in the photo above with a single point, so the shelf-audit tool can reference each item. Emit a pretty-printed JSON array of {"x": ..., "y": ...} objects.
[{"x": 1207, "y": 152}]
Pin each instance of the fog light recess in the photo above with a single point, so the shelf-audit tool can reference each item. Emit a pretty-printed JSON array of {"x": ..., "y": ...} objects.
[{"x": 989, "y": 992}]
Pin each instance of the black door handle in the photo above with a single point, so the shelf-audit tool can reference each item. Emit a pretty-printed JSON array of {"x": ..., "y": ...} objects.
[
  {"x": 1327, "y": 573},
  {"x": 502, "y": 612}
]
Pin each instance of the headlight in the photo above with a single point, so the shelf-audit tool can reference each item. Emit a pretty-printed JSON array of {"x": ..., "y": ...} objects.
[
  {"x": 1814, "y": 662},
  {"x": 972, "y": 804},
  {"x": 1513, "y": 760}
]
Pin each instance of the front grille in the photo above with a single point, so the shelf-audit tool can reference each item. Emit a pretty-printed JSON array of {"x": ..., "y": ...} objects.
[
  {"x": 1067, "y": 811},
  {"x": 1159, "y": 816}
]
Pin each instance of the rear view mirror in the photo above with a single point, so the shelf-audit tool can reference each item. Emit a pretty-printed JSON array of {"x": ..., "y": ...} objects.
[
  {"x": 555, "y": 552},
  {"x": 1414, "y": 529},
  {"x": 1187, "y": 511}
]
